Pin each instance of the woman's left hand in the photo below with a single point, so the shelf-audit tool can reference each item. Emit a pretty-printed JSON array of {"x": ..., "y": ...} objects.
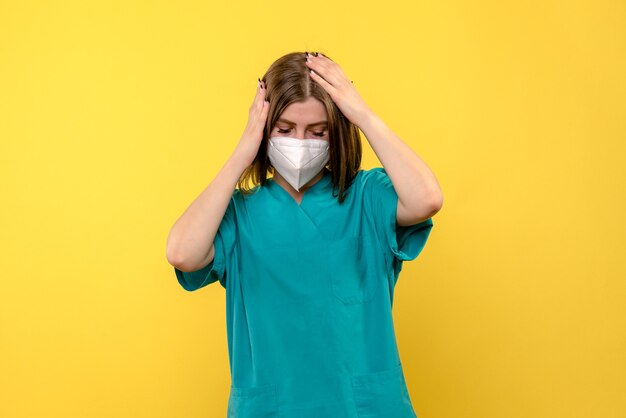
[{"x": 331, "y": 77}]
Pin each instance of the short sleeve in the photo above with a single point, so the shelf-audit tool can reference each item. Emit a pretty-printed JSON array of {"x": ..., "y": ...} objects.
[
  {"x": 218, "y": 268},
  {"x": 400, "y": 243}
]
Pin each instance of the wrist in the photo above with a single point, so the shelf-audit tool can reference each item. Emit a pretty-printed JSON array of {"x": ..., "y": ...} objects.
[
  {"x": 239, "y": 161},
  {"x": 366, "y": 119}
]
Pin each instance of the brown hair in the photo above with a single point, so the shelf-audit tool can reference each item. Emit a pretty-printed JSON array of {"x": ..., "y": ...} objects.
[{"x": 288, "y": 81}]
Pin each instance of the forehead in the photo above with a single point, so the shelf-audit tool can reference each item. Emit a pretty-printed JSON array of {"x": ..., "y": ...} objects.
[{"x": 305, "y": 113}]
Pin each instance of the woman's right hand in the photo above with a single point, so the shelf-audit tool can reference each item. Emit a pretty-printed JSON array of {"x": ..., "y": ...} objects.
[{"x": 248, "y": 145}]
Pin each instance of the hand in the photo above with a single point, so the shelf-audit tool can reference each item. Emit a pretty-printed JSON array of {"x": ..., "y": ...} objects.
[
  {"x": 331, "y": 77},
  {"x": 248, "y": 145}
]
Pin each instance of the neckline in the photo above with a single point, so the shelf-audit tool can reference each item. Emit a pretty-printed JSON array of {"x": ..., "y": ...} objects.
[{"x": 309, "y": 193}]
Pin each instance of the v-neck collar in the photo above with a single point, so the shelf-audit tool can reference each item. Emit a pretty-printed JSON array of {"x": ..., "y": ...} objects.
[{"x": 317, "y": 189}]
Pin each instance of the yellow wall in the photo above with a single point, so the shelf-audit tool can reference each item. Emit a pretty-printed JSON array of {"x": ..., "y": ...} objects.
[{"x": 115, "y": 115}]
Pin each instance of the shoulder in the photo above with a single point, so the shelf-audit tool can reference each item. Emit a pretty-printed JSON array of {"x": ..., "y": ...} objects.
[
  {"x": 239, "y": 200},
  {"x": 374, "y": 177}
]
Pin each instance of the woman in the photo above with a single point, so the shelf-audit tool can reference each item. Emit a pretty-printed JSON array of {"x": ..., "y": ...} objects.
[{"x": 310, "y": 257}]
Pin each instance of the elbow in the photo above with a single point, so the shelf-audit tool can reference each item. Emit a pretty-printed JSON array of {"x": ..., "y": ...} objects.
[
  {"x": 180, "y": 264},
  {"x": 174, "y": 257},
  {"x": 436, "y": 202},
  {"x": 171, "y": 252},
  {"x": 433, "y": 205},
  {"x": 426, "y": 209},
  {"x": 186, "y": 264}
]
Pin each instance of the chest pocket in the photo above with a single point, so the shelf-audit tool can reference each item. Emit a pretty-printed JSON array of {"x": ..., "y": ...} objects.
[{"x": 356, "y": 268}]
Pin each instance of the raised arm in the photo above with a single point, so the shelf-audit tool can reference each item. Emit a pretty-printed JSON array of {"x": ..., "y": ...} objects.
[{"x": 190, "y": 241}]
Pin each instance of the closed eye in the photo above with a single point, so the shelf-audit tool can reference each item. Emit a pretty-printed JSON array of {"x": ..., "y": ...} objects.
[{"x": 284, "y": 131}]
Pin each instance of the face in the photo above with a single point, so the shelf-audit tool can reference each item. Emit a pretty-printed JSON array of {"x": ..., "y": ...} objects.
[{"x": 304, "y": 120}]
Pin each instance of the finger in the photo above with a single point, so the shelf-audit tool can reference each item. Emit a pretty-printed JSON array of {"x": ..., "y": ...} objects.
[
  {"x": 263, "y": 106},
  {"x": 324, "y": 57},
  {"x": 261, "y": 89},
  {"x": 327, "y": 69},
  {"x": 260, "y": 118},
  {"x": 256, "y": 94},
  {"x": 260, "y": 96},
  {"x": 321, "y": 68},
  {"x": 256, "y": 124},
  {"x": 325, "y": 84},
  {"x": 331, "y": 63},
  {"x": 264, "y": 112}
]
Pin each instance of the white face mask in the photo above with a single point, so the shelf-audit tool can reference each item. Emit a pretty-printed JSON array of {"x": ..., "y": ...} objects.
[{"x": 298, "y": 160}]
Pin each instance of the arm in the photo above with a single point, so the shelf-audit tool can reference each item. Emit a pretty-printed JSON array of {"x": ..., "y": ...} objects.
[
  {"x": 419, "y": 194},
  {"x": 190, "y": 241}
]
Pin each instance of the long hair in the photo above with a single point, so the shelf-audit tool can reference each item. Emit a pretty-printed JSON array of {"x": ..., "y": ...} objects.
[{"x": 288, "y": 81}]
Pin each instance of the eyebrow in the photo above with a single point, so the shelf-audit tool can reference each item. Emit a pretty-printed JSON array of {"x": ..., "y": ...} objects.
[{"x": 322, "y": 122}]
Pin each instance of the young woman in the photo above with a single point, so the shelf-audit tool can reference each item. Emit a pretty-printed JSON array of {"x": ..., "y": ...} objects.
[{"x": 310, "y": 257}]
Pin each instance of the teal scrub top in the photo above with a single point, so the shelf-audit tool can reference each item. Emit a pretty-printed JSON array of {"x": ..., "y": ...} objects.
[{"x": 309, "y": 292}]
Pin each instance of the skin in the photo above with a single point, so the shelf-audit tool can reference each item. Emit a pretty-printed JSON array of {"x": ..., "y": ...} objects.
[
  {"x": 190, "y": 242},
  {"x": 301, "y": 115},
  {"x": 419, "y": 194}
]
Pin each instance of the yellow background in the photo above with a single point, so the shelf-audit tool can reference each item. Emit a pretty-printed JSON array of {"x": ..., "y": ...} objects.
[{"x": 115, "y": 115}]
